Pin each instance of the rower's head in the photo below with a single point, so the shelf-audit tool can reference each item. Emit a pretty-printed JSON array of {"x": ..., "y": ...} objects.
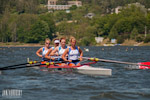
[
  {"x": 73, "y": 41},
  {"x": 47, "y": 42},
  {"x": 56, "y": 42},
  {"x": 63, "y": 42}
]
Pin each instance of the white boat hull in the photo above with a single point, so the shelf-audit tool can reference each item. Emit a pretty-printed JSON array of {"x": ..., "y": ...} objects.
[
  {"x": 85, "y": 69},
  {"x": 89, "y": 70}
]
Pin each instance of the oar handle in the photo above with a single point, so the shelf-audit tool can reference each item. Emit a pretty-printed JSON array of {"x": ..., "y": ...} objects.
[
  {"x": 30, "y": 62},
  {"x": 24, "y": 66}
]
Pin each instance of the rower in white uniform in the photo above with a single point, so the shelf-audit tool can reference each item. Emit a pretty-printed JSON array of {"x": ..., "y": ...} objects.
[
  {"x": 56, "y": 44},
  {"x": 60, "y": 49},
  {"x": 44, "y": 49},
  {"x": 74, "y": 53}
]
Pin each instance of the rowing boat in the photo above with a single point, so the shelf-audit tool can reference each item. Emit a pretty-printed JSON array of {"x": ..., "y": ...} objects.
[{"x": 82, "y": 69}]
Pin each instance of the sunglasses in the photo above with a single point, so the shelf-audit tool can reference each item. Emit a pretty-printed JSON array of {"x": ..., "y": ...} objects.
[{"x": 48, "y": 43}]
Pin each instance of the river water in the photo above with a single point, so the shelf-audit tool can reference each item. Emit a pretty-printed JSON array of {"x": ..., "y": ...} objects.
[{"x": 34, "y": 84}]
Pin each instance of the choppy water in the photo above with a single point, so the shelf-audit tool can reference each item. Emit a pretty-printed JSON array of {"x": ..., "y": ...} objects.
[{"x": 124, "y": 84}]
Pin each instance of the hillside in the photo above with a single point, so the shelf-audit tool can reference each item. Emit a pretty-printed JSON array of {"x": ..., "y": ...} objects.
[{"x": 28, "y": 21}]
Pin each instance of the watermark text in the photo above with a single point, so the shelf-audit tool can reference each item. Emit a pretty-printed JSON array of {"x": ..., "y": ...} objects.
[{"x": 12, "y": 93}]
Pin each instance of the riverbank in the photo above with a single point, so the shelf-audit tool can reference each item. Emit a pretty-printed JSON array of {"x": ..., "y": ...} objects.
[
  {"x": 134, "y": 43},
  {"x": 17, "y": 44},
  {"x": 127, "y": 42}
]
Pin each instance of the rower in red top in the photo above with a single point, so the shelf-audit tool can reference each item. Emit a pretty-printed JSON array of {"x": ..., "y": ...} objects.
[
  {"x": 44, "y": 49},
  {"x": 74, "y": 53}
]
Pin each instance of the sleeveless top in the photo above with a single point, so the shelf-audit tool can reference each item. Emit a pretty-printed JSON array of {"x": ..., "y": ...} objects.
[
  {"x": 61, "y": 50},
  {"x": 55, "y": 53},
  {"x": 73, "y": 54},
  {"x": 44, "y": 53},
  {"x": 53, "y": 48}
]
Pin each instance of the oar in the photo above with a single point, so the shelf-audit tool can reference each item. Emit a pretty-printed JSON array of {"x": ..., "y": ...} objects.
[
  {"x": 30, "y": 62},
  {"x": 34, "y": 64},
  {"x": 25, "y": 66},
  {"x": 113, "y": 61}
]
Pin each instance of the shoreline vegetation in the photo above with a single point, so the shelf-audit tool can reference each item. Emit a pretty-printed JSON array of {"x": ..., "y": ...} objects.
[
  {"x": 17, "y": 44},
  {"x": 30, "y": 21},
  {"x": 126, "y": 43}
]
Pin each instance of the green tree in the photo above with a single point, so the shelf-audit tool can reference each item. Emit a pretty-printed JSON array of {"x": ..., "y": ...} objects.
[
  {"x": 113, "y": 33},
  {"x": 39, "y": 31},
  {"x": 147, "y": 39},
  {"x": 49, "y": 19},
  {"x": 148, "y": 22},
  {"x": 74, "y": 7},
  {"x": 4, "y": 27},
  {"x": 89, "y": 36},
  {"x": 134, "y": 34},
  {"x": 24, "y": 23},
  {"x": 66, "y": 29},
  {"x": 120, "y": 39}
]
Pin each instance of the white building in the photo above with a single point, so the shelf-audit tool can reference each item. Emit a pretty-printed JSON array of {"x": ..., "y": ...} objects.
[
  {"x": 90, "y": 15},
  {"x": 99, "y": 39},
  {"x": 118, "y": 9},
  {"x": 52, "y": 4},
  {"x": 77, "y": 3}
]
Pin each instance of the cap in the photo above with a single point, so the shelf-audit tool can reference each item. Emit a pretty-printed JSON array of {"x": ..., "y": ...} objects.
[{"x": 56, "y": 41}]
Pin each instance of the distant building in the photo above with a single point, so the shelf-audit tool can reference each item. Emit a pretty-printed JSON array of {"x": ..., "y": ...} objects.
[
  {"x": 99, "y": 39},
  {"x": 77, "y": 3},
  {"x": 113, "y": 40},
  {"x": 90, "y": 15},
  {"x": 67, "y": 11},
  {"x": 118, "y": 9},
  {"x": 52, "y": 4},
  {"x": 58, "y": 7},
  {"x": 137, "y": 4}
]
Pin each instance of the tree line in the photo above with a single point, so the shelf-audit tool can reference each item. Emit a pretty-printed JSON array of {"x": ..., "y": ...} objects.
[{"x": 29, "y": 21}]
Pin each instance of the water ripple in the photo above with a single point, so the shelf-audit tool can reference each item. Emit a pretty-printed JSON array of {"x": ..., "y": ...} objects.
[{"x": 124, "y": 84}]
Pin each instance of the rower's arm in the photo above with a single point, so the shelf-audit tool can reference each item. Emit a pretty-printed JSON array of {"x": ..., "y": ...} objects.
[
  {"x": 47, "y": 54},
  {"x": 81, "y": 53},
  {"x": 64, "y": 54},
  {"x": 38, "y": 52},
  {"x": 54, "y": 51}
]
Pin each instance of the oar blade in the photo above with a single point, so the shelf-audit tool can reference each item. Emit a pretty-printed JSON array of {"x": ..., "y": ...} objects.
[{"x": 144, "y": 65}]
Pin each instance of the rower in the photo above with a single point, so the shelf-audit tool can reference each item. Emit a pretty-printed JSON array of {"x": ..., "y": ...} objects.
[
  {"x": 73, "y": 53},
  {"x": 56, "y": 44},
  {"x": 60, "y": 49},
  {"x": 44, "y": 49}
]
